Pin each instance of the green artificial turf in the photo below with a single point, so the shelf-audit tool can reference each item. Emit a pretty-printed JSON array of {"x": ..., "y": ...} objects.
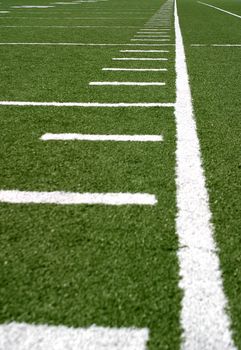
[
  {"x": 84, "y": 265},
  {"x": 215, "y": 84}
]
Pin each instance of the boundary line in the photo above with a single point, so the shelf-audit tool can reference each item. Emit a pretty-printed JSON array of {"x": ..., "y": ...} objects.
[
  {"x": 95, "y": 137},
  {"x": 204, "y": 320},
  {"x": 218, "y": 8}
]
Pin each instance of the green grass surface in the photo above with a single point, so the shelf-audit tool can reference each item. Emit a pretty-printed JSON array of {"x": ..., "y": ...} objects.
[
  {"x": 215, "y": 84},
  {"x": 112, "y": 266}
]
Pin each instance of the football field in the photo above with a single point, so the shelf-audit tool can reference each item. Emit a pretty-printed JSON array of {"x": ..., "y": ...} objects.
[{"x": 120, "y": 175}]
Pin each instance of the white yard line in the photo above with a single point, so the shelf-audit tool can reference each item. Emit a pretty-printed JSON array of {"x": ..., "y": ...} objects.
[
  {"x": 219, "y": 9},
  {"x": 85, "y": 44},
  {"x": 22, "y": 336},
  {"x": 144, "y": 50},
  {"x": 139, "y": 59},
  {"x": 88, "y": 104},
  {"x": 60, "y": 26},
  {"x": 204, "y": 320},
  {"x": 125, "y": 83},
  {"x": 135, "y": 69},
  {"x": 95, "y": 137},
  {"x": 150, "y": 39},
  {"x": 68, "y": 198},
  {"x": 216, "y": 45}
]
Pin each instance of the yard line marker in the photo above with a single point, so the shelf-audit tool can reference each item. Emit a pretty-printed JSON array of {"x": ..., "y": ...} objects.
[
  {"x": 151, "y": 36},
  {"x": 86, "y": 44},
  {"x": 138, "y": 59},
  {"x": 59, "y": 26},
  {"x": 220, "y": 9},
  {"x": 136, "y": 69},
  {"x": 150, "y": 39},
  {"x": 203, "y": 318},
  {"x": 126, "y": 83},
  {"x": 20, "y": 336},
  {"x": 217, "y": 45},
  {"x": 88, "y": 104},
  {"x": 68, "y": 198},
  {"x": 92, "y": 137},
  {"x": 144, "y": 50}
]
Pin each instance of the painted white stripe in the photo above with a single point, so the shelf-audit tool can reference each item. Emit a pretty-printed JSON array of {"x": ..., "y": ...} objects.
[
  {"x": 150, "y": 39},
  {"x": 92, "y": 137},
  {"x": 85, "y": 44},
  {"x": 217, "y": 45},
  {"x": 152, "y": 29},
  {"x": 148, "y": 32},
  {"x": 53, "y": 26},
  {"x": 218, "y": 8},
  {"x": 144, "y": 50},
  {"x": 126, "y": 83},
  {"x": 31, "y": 6},
  {"x": 203, "y": 317},
  {"x": 150, "y": 35},
  {"x": 68, "y": 198},
  {"x": 139, "y": 59},
  {"x": 136, "y": 69},
  {"x": 87, "y": 104},
  {"x": 22, "y": 336}
]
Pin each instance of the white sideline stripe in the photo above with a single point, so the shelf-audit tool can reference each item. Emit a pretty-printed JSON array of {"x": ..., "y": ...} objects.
[
  {"x": 85, "y": 44},
  {"x": 87, "y": 104},
  {"x": 22, "y": 336},
  {"x": 68, "y": 198},
  {"x": 136, "y": 69},
  {"x": 218, "y": 8},
  {"x": 126, "y": 83},
  {"x": 138, "y": 59},
  {"x": 203, "y": 319},
  {"x": 92, "y": 137},
  {"x": 144, "y": 50}
]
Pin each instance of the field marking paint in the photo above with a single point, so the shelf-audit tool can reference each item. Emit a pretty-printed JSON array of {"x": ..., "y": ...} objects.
[
  {"x": 125, "y": 83},
  {"x": 68, "y": 198},
  {"x": 92, "y": 137},
  {"x": 144, "y": 50},
  {"x": 203, "y": 318},
  {"x": 88, "y": 104},
  {"x": 56, "y": 26},
  {"x": 22, "y": 336},
  {"x": 85, "y": 44},
  {"x": 138, "y": 59},
  {"x": 216, "y": 45},
  {"x": 135, "y": 69},
  {"x": 218, "y": 8},
  {"x": 30, "y": 7},
  {"x": 150, "y": 39}
]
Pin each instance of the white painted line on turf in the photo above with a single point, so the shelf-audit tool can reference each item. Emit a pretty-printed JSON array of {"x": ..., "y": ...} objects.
[
  {"x": 136, "y": 69},
  {"x": 150, "y": 39},
  {"x": 88, "y": 104},
  {"x": 22, "y": 336},
  {"x": 31, "y": 6},
  {"x": 126, "y": 83},
  {"x": 92, "y": 137},
  {"x": 218, "y": 8},
  {"x": 144, "y": 50},
  {"x": 138, "y": 59},
  {"x": 68, "y": 198},
  {"x": 216, "y": 45},
  {"x": 85, "y": 44},
  {"x": 203, "y": 318}
]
